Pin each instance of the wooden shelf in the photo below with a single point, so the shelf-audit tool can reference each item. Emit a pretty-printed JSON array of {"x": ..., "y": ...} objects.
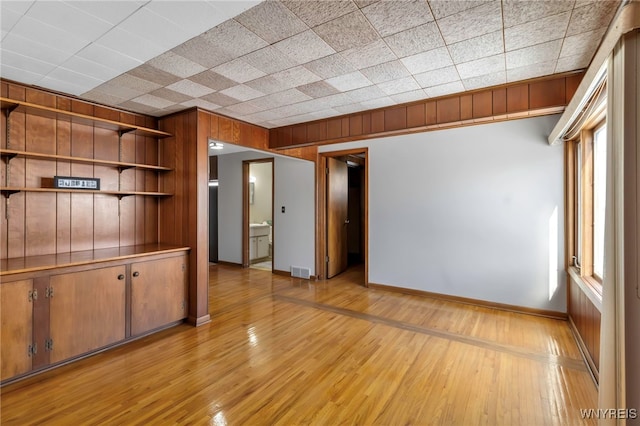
[
  {"x": 7, "y": 154},
  {"x": 20, "y": 106},
  {"x": 8, "y": 191}
]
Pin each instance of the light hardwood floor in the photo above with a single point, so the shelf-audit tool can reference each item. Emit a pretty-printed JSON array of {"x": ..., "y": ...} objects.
[{"x": 288, "y": 351}]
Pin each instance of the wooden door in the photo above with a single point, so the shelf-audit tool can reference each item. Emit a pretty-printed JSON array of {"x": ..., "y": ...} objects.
[
  {"x": 158, "y": 293},
  {"x": 337, "y": 219},
  {"x": 87, "y": 311},
  {"x": 16, "y": 336}
]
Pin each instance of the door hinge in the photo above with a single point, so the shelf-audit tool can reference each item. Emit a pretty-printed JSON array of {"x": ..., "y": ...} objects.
[
  {"x": 48, "y": 293},
  {"x": 326, "y": 259},
  {"x": 33, "y": 295},
  {"x": 326, "y": 171},
  {"x": 48, "y": 345},
  {"x": 32, "y": 350}
]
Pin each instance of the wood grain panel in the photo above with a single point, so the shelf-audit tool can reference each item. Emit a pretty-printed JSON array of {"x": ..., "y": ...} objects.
[
  {"x": 225, "y": 129},
  {"x": 518, "y": 98},
  {"x": 432, "y": 112},
  {"x": 416, "y": 115},
  {"x": 345, "y": 126},
  {"x": 16, "y": 313},
  {"x": 107, "y": 223},
  {"x": 299, "y": 134},
  {"x": 466, "y": 107},
  {"x": 547, "y": 93},
  {"x": 482, "y": 104},
  {"x": 63, "y": 168},
  {"x": 261, "y": 137},
  {"x": 318, "y": 131},
  {"x": 377, "y": 121},
  {"x": 448, "y": 110},
  {"x": 81, "y": 204},
  {"x": 334, "y": 128},
  {"x": 213, "y": 126},
  {"x": 355, "y": 125},
  {"x": 366, "y": 123},
  {"x": 127, "y": 222},
  {"x": 499, "y": 101},
  {"x": 395, "y": 119},
  {"x": 571, "y": 85}
]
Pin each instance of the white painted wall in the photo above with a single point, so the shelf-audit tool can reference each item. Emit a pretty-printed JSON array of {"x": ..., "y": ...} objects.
[
  {"x": 260, "y": 210},
  {"x": 475, "y": 212},
  {"x": 294, "y": 231}
]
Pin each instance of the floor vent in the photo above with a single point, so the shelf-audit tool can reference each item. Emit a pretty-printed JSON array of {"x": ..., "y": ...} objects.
[{"x": 299, "y": 272}]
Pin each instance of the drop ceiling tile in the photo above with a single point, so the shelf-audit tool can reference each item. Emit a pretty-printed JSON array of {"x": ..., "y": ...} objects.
[
  {"x": 402, "y": 85},
  {"x": 130, "y": 44},
  {"x": 153, "y": 74},
  {"x": 492, "y": 64},
  {"x": 170, "y": 110},
  {"x": 347, "y": 32},
  {"x": 194, "y": 48},
  {"x": 48, "y": 35},
  {"x": 229, "y": 9},
  {"x": 296, "y": 76},
  {"x": 573, "y": 62},
  {"x": 190, "y": 88},
  {"x": 316, "y": 13},
  {"x": 238, "y": 70},
  {"x": 330, "y": 66},
  {"x": 115, "y": 88},
  {"x": 443, "y": 8},
  {"x": 471, "y": 22},
  {"x": 427, "y": 61},
  {"x": 8, "y": 17},
  {"x": 390, "y": 17},
  {"x": 378, "y": 103},
  {"x": 90, "y": 68},
  {"x": 102, "y": 98},
  {"x": 19, "y": 7},
  {"x": 542, "y": 52},
  {"x": 385, "y": 72},
  {"x": 351, "y": 108},
  {"x": 372, "y": 54},
  {"x": 269, "y": 60},
  {"x": 129, "y": 81},
  {"x": 444, "y": 89},
  {"x": 153, "y": 101},
  {"x": 154, "y": 27},
  {"x": 591, "y": 17},
  {"x": 364, "y": 3},
  {"x": 259, "y": 19},
  {"x": 304, "y": 47},
  {"x": 414, "y": 95},
  {"x": 280, "y": 99},
  {"x": 582, "y": 43},
  {"x": 244, "y": 108},
  {"x": 63, "y": 86},
  {"x": 535, "y": 32},
  {"x": 138, "y": 107},
  {"x": 365, "y": 94},
  {"x": 108, "y": 57},
  {"x": 30, "y": 48},
  {"x": 17, "y": 74},
  {"x": 261, "y": 116},
  {"x": 531, "y": 71},
  {"x": 171, "y": 95},
  {"x": 26, "y": 63},
  {"x": 477, "y": 47},
  {"x": 176, "y": 65},
  {"x": 415, "y": 40},
  {"x": 242, "y": 92},
  {"x": 337, "y": 99},
  {"x": 76, "y": 78},
  {"x": 518, "y": 12},
  {"x": 196, "y": 16},
  {"x": 234, "y": 39},
  {"x": 104, "y": 9},
  {"x": 201, "y": 103},
  {"x": 219, "y": 99},
  {"x": 351, "y": 81},
  {"x": 294, "y": 109},
  {"x": 318, "y": 89},
  {"x": 267, "y": 85},
  {"x": 486, "y": 80},
  {"x": 213, "y": 80},
  {"x": 437, "y": 77}
]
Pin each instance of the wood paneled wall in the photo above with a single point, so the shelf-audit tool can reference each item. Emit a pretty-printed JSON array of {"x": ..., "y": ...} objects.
[
  {"x": 537, "y": 97},
  {"x": 48, "y": 223},
  {"x": 585, "y": 319}
]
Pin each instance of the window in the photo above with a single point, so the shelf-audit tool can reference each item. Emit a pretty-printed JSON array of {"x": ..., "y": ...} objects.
[{"x": 599, "y": 197}]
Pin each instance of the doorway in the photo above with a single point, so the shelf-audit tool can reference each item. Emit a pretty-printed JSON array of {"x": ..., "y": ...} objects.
[
  {"x": 343, "y": 212},
  {"x": 257, "y": 217}
]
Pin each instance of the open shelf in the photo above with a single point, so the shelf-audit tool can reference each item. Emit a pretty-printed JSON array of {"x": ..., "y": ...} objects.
[
  {"x": 8, "y": 191},
  {"x": 21, "y": 106},
  {"x": 7, "y": 154}
]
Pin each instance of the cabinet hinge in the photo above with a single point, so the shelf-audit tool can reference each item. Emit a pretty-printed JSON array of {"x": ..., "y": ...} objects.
[
  {"x": 48, "y": 345},
  {"x": 32, "y": 350},
  {"x": 33, "y": 295},
  {"x": 48, "y": 293},
  {"x": 326, "y": 259}
]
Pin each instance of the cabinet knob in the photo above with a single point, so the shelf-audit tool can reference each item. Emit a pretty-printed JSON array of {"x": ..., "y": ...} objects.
[
  {"x": 136, "y": 274},
  {"x": 121, "y": 277}
]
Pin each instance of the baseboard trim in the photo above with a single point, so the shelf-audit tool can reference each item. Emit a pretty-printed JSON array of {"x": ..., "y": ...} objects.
[
  {"x": 224, "y": 262},
  {"x": 198, "y": 321},
  {"x": 586, "y": 356},
  {"x": 477, "y": 302}
]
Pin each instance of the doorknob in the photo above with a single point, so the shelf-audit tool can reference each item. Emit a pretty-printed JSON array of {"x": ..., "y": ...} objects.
[{"x": 346, "y": 221}]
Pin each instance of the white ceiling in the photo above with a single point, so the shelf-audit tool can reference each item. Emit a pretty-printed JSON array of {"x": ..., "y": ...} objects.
[{"x": 275, "y": 63}]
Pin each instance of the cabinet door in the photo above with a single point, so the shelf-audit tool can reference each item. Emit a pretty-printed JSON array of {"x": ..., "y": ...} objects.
[
  {"x": 158, "y": 293},
  {"x": 253, "y": 248},
  {"x": 263, "y": 247},
  {"x": 16, "y": 316},
  {"x": 87, "y": 311}
]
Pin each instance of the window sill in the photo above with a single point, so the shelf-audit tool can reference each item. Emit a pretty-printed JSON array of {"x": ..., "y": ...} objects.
[{"x": 589, "y": 286}]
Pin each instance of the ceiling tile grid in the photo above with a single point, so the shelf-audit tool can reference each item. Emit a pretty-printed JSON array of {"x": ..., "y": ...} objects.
[{"x": 280, "y": 62}]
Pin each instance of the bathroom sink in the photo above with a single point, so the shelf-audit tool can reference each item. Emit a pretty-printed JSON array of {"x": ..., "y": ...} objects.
[{"x": 258, "y": 229}]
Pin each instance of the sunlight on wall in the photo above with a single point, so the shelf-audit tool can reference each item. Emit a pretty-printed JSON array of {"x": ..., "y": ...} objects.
[{"x": 553, "y": 252}]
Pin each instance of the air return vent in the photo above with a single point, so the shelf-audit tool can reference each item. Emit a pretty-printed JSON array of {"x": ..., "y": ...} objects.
[{"x": 299, "y": 272}]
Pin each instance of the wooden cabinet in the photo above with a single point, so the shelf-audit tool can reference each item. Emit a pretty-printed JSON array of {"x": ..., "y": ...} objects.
[
  {"x": 258, "y": 247},
  {"x": 16, "y": 311},
  {"x": 158, "y": 293},
  {"x": 87, "y": 311}
]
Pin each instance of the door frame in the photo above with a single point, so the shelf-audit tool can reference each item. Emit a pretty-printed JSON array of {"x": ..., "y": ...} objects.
[
  {"x": 246, "y": 262},
  {"x": 321, "y": 225}
]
